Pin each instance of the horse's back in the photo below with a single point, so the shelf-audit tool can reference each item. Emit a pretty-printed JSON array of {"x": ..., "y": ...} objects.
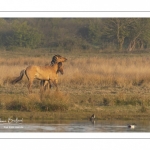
[{"x": 40, "y": 72}]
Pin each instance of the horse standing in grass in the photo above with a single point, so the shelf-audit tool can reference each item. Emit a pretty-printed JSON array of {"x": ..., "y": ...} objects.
[
  {"x": 45, "y": 73},
  {"x": 47, "y": 84}
]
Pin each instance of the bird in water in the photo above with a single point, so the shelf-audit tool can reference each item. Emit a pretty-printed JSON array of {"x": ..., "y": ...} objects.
[
  {"x": 92, "y": 117},
  {"x": 131, "y": 126}
]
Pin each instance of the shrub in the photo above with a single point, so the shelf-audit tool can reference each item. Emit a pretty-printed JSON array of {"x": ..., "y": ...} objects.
[
  {"x": 54, "y": 102},
  {"x": 48, "y": 102},
  {"x": 16, "y": 105},
  {"x": 106, "y": 102},
  {"x": 143, "y": 109}
]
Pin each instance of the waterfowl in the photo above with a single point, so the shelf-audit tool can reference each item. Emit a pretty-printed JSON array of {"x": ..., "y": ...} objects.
[
  {"x": 132, "y": 126},
  {"x": 92, "y": 117}
]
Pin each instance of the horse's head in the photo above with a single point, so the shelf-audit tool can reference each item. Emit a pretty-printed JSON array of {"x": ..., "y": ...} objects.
[
  {"x": 57, "y": 59},
  {"x": 60, "y": 68}
]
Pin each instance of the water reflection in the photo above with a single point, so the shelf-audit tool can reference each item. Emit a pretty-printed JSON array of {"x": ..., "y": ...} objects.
[{"x": 76, "y": 126}]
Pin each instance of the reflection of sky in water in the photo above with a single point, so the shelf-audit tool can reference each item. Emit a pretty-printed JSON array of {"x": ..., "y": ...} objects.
[{"x": 76, "y": 126}]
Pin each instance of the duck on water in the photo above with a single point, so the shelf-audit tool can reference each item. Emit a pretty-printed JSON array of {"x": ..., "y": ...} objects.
[
  {"x": 92, "y": 117},
  {"x": 131, "y": 126}
]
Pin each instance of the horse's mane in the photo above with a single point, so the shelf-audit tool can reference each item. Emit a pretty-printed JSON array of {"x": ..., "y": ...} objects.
[{"x": 54, "y": 59}]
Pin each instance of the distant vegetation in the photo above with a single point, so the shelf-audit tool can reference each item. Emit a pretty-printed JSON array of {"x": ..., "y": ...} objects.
[{"x": 69, "y": 34}]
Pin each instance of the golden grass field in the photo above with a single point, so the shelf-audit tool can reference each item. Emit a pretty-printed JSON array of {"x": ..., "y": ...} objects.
[{"x": 113, "y": 86}]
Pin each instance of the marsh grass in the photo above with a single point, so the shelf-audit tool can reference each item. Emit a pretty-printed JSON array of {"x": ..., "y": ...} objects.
[
  {"x": 93, "y": 71},
  {"x": 33, "y": 102},
  {"x": 56, "y": 101},
  {"x": 112, "y": 85}
]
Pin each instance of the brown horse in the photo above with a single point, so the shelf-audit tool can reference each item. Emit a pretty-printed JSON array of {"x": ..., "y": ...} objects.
[
  {"x": 45, "y": 73},
  {"x": 47, "y": 84}
]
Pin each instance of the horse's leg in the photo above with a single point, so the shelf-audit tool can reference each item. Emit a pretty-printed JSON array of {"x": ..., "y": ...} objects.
[
  {"x": 30, "y": 85},
  {"x": 42, "y": 85},
  {"x": 30, "y": 80},
  {"x": 49, "y": 85},
  {"x": 55, "y": 83}
]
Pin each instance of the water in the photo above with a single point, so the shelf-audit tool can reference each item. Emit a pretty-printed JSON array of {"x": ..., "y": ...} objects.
[{"x": 76, "y": 126}]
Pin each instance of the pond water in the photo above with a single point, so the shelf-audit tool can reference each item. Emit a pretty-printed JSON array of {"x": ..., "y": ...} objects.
[{"x": 76, "y": 126}]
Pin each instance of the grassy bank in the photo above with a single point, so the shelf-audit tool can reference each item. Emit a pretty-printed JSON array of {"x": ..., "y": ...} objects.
[
  {"x": 55, "y": 106},
  {"x": 113, "y": 86}
]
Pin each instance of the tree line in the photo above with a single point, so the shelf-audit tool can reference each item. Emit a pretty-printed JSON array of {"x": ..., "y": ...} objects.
[{"x": 120, "y": 34}]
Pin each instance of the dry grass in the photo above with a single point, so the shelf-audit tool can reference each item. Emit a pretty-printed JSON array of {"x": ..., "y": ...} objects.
[
  {"x": 103, "y": 85},
  {"x": 101, "y": 72},
  {"x": 92, "y": 71},
  {"x": 87, "y": 74},
  {"x": 35, "y": 102}
]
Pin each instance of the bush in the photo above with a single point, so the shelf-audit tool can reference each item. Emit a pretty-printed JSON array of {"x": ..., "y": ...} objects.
[
  {"x": 128, "y": 102},
  {"x": 48, "y": 102},
  {"x": 143, "y": 109},
  {"x": 54, "y": 102},
  {"x": 16, "y": 105},
  {"x": 106, "y": 102}
]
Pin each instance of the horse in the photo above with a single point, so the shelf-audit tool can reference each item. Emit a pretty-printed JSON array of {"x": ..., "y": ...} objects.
[
  {"x": 45, "y": 73},
  {"x": 47, "y": 84}
]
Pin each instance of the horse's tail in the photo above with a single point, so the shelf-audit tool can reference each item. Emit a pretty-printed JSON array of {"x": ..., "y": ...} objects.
[{"x": 18, "y": 78}]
